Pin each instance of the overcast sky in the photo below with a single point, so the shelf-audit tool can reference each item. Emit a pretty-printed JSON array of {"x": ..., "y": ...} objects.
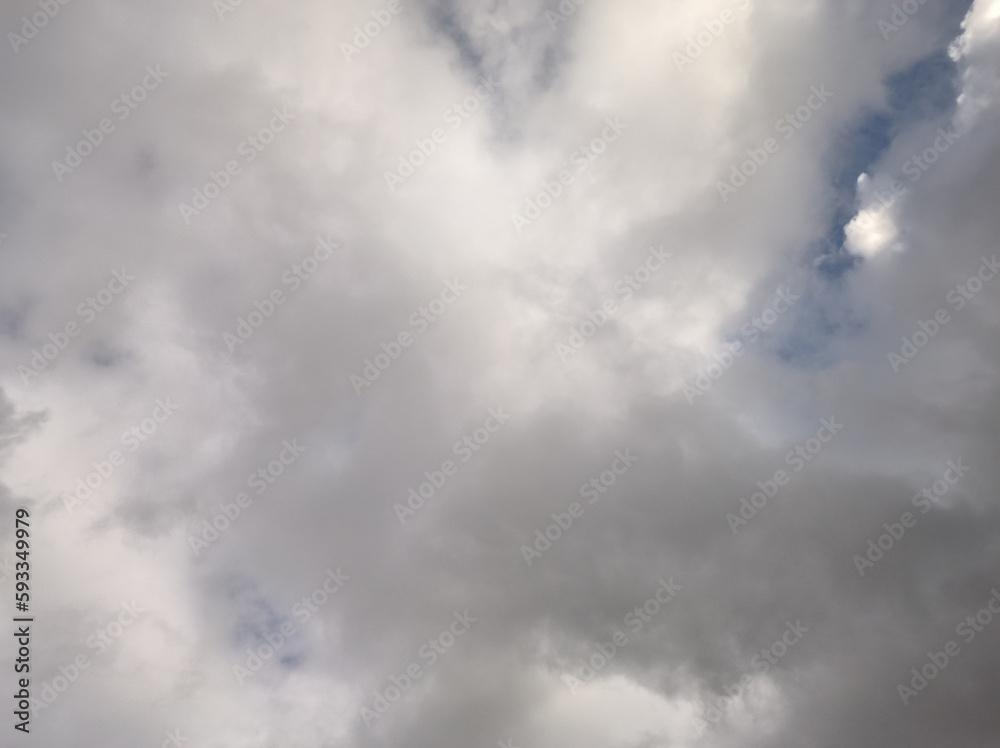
[{"x": 594, "y": 374}]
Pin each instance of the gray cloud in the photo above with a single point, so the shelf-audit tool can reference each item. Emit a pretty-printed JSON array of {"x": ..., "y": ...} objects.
[{"x": 205, "y": 521}]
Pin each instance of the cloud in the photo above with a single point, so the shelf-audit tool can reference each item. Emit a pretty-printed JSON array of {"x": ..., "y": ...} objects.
[{"x": 271, "y": 264}]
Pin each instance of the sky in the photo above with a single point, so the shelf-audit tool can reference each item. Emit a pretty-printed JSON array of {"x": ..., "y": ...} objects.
[{"x": 500, "y": 373}]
